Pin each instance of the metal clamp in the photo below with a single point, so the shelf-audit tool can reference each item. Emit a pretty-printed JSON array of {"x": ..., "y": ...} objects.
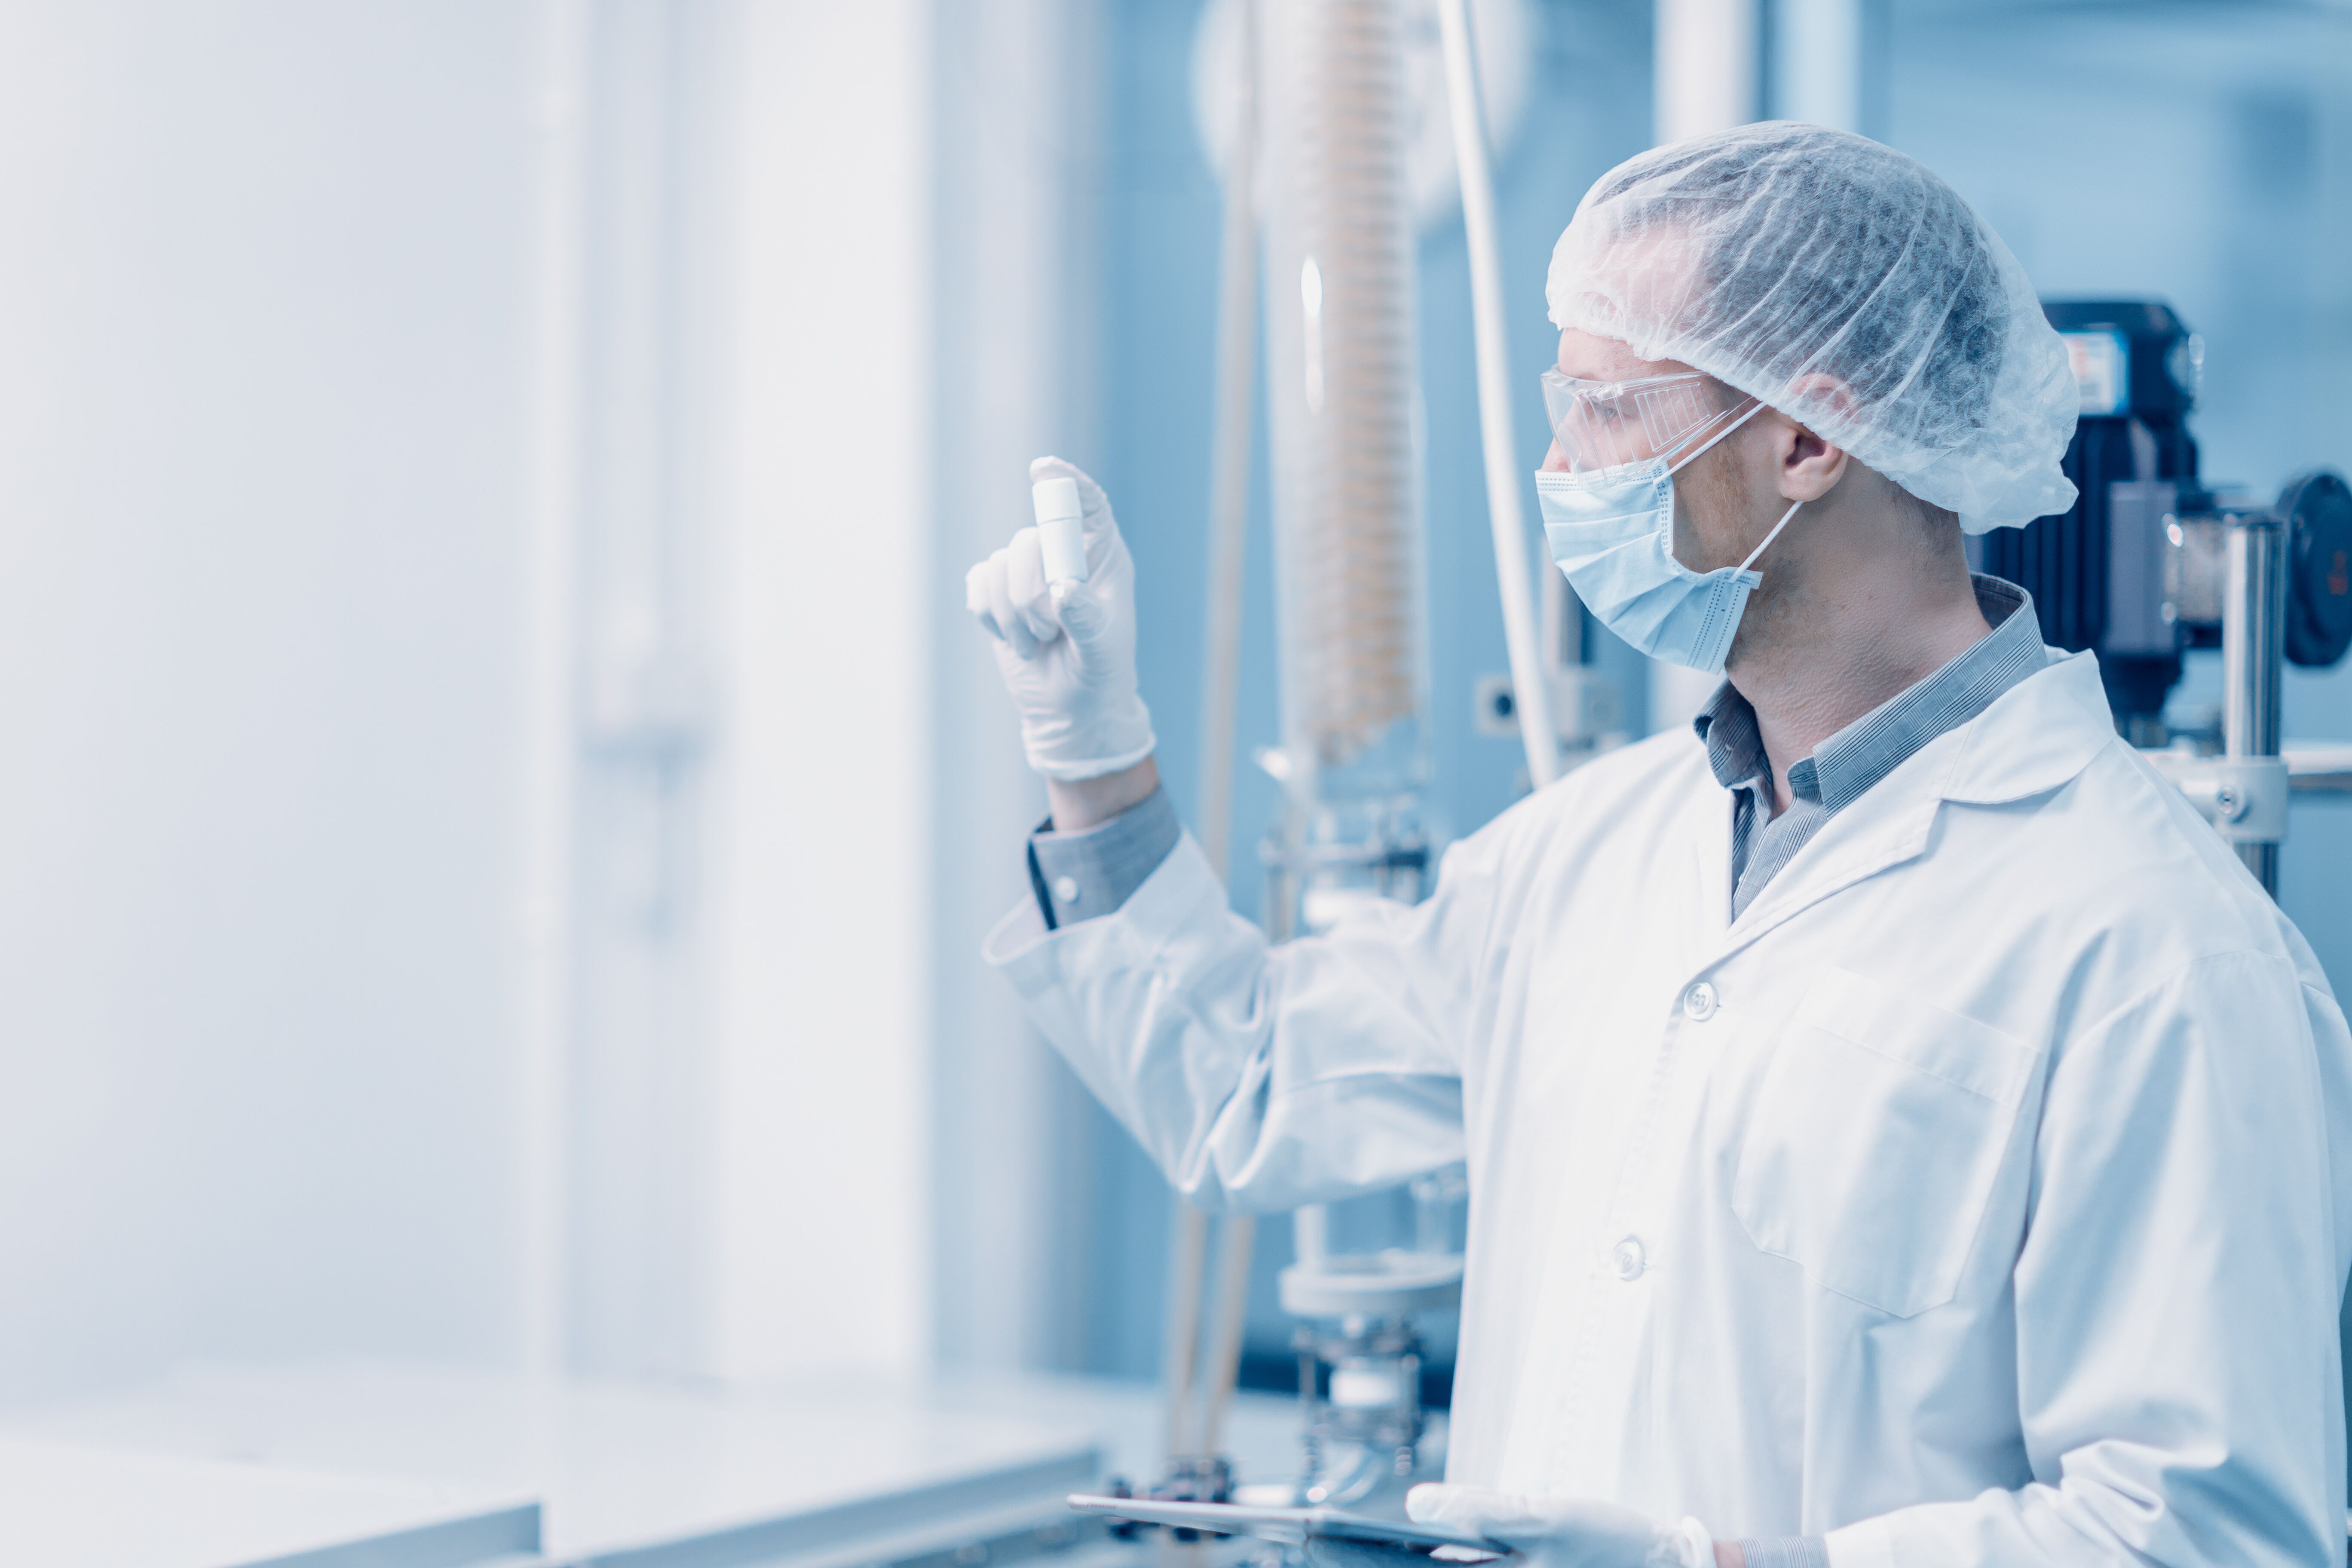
[{"x": 2244, "y": 797}]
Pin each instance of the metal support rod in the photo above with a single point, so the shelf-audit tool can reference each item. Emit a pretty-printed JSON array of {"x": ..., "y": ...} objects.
[
  {"x": 1226, "y": 1325},
  {"x": 1229, "y": 455},
  {"x": 1188, "y": 1261},
  {"x": 1310, "y": 1232},
  {"x": 2253, "y": 657}
]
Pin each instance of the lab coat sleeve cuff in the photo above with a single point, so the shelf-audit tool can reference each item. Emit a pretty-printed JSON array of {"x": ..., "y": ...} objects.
[
  {"x": 1103, "y": 992},
  {"x": 1180, "y": 891},
  {"x": 1021, "y": 929},
  {"x": 1868, "y": 1544}
]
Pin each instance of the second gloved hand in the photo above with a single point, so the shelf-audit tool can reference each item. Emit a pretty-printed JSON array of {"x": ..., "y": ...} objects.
[
  {"x": 1564, "y": 1532},
  {"x": 1069, "y": 662}
]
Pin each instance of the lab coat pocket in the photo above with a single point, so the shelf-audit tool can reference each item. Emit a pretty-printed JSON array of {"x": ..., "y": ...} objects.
[{"x": 1874, "y": 1140}]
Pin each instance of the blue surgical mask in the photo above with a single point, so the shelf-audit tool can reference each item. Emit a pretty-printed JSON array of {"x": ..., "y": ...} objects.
[{"x": 1612, "y": 533}]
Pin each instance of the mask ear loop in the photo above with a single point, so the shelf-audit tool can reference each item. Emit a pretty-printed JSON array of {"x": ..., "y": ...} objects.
[
  {"x": 1772, "y": 536},
  {"x": 1754, "y": 409}
]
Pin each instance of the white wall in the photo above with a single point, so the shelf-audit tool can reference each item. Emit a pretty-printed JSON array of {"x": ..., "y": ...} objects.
[
  {"x": 466, "y": 617},
  {"x": 651, "y": 331},
  {"x": 262, "y": 437},
  {"x": 823, "y": 848},
  {"x": 1018, "y": 333}
]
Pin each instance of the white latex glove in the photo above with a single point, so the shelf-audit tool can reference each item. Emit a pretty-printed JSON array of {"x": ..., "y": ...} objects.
[
  {"x": 1070, "y": 664},
  {"x": 1563, "y": 1532}
]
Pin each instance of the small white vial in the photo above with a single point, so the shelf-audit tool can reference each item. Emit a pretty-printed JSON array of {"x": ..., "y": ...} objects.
[{"x": 1060, "y": 530}]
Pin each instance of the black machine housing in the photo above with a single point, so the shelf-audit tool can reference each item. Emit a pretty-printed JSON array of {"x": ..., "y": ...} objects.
[{"x": 2132, "y": 571}]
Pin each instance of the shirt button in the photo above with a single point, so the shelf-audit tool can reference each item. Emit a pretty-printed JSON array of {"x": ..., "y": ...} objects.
[
  {"x": 1067, "y": 889},
  {"x": 1698, "y": 1003},
  {"x": 1626, "y": 1258}
]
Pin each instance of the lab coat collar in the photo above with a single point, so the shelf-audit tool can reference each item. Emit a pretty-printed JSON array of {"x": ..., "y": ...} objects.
[
  {"x": 2038, "y": 735},
  {"x": 2034, "y": 738}
]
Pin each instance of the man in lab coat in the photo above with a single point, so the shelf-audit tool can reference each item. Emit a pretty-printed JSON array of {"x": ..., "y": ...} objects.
[{"x": 1900, "y": 1130}]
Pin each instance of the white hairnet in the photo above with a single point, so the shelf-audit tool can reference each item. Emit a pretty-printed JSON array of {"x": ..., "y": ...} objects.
[{"x": 1843, "y": 284}]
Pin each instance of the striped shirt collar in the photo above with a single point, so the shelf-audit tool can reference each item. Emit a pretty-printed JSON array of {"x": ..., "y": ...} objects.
[{"x": 1858, "y": 757}]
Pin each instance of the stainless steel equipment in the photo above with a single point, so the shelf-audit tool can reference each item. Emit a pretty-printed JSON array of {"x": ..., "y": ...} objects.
[{"x": 2244, "y": 567}]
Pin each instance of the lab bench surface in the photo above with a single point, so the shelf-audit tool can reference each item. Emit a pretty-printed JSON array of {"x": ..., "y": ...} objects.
[{"x": 619, "y": 1474}]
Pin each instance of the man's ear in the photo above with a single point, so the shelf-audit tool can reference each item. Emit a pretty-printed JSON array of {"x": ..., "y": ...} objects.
[{"x": 1810, "y": 465}]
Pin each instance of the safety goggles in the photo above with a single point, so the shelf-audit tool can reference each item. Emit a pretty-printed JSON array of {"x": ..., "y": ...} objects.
[{"x": 1607, "y": 424}]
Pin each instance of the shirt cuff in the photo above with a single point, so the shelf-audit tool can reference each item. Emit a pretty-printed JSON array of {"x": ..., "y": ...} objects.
[
  {"x": 1786, "y": 1552},
  {"x": 1078, "y": 876}
]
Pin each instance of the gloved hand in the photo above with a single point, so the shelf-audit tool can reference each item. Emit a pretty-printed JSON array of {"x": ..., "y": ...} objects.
[
  {"x": 1070, "y": 664},
  {"x": 1564, "y": 1532}
]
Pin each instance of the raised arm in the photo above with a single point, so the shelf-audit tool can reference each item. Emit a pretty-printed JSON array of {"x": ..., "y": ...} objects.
[{"x": 1257, "y": 1077}]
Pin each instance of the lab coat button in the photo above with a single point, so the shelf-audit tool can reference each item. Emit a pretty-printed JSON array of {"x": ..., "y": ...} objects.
[
  {"x": 1698, "y": 1003},
  {"x": 1067, "y": 889},
  {"x": 1626, "y": 1258}
]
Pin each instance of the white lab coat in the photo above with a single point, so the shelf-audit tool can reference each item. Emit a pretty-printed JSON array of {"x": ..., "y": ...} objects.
[{"x": 1978, "y": 1196}]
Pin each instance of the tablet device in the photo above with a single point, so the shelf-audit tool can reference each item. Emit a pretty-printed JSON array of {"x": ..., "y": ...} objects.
[{"x": 1289, "y": 1525}]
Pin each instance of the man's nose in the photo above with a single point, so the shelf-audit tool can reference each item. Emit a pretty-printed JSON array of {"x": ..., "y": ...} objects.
[{"x": 1555, "y": 460}]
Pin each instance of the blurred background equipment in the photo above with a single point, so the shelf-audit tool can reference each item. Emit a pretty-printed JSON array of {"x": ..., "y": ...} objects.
[
  {"x": 2136, "y": 571},
  {"x": 1360, "y": 1354},
  {"x": 1342, "y": 380},
  {"x": 465, "y": 465},
  {"x": 2151, "y": 563},
  {"x": 1334, "y": 82}
]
